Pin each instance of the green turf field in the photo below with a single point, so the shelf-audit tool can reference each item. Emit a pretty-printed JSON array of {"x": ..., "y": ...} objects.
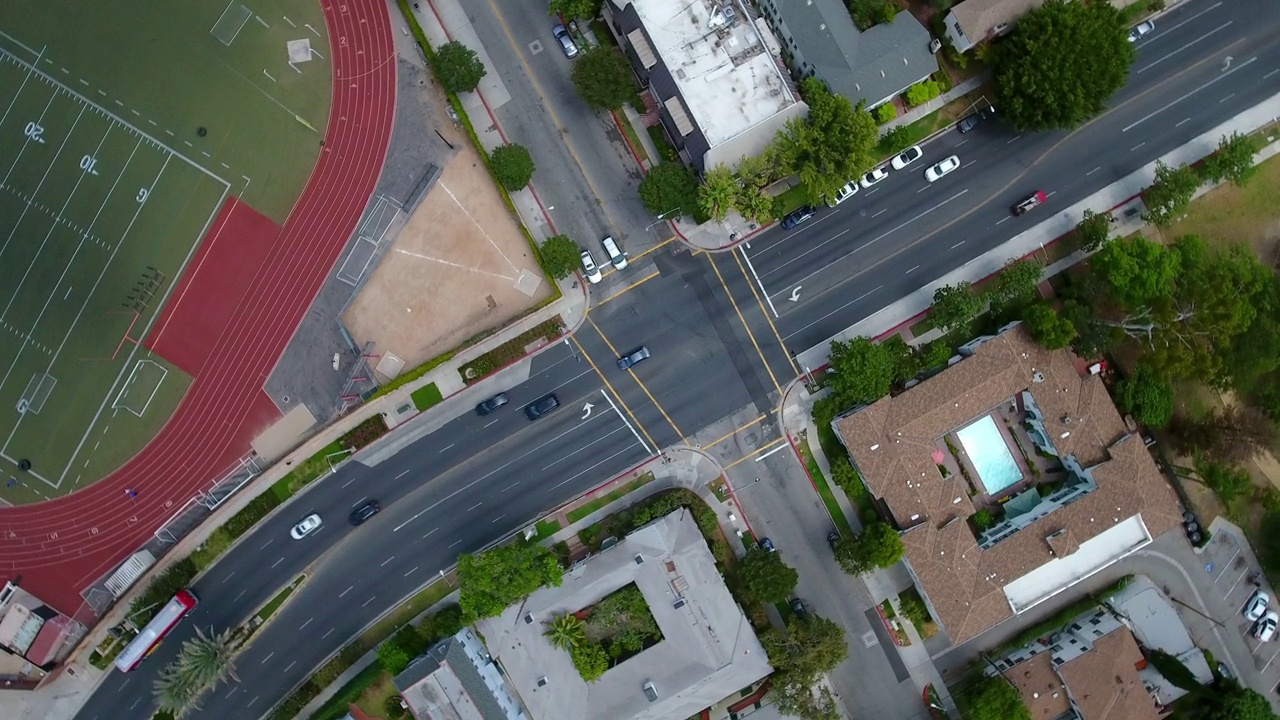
[{"x": 106, "y": 189}]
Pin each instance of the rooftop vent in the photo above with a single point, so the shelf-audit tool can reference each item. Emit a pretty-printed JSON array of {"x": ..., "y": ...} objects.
[
  {"x": 1037, "y": 376},
  {"x": 542, "y": 681},
  {"x": 528, "y": 618},
  {"x": 678, "y": 604},
  {"x": 650, "y": 691},
  {"x": 639, "y": 559}
]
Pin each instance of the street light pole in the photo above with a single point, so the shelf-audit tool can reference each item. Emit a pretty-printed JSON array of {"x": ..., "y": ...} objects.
[{"x": 661, "y": 218}]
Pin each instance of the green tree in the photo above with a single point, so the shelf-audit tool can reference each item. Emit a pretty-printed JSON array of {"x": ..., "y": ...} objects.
[
  {"x": 1136, "y": 271},
  {"x": 512, "y": 166},
  {"x": 560, "y": 256},
  {"x": 1047, "y": 327},
  {"x": 903, "y": 358},
  {"x": 861, "y": 372},
  {"x": 754, "y": 204},
  {"x": 834, "y": 144},
  {"x": 1170, "y": 194},
  {"x": 803, "y": 701},
  {"x": 1232, "y": 435},
  {"x": 566, "y": 631},
  {"x": 1061, "y": 63},
  {"x": 393, "y": 657},
  {"x": 491, "y": 580},
  {"x": 458, "y": 67},
  {"x": 886, "y": 112},
  {"x": 1233, "y": 161},
  {"x": 202, "y": 663},
  {"x": 994, "y": 698},
  {"x": 846, "y": 477},
  {"x": 922, "y": 92},
  {"x": 1015, "y": 284},
  {"x": 935, "y": 354},
  {"x": 575, "y": 8},
  {"x": 879, "y": 546},
  {"x": 1094, "y": 229},
  {"x": 765, "y": 578},
  {"x": 810, "y": 646},
  {"x": 1226, "y": 481},
  {"x": 604, "y": 79},
  {"x": 590, "y": 659},
  {"x": 1146, "y": 397},
  {"x": 757, "y": 170},
  {"x": 718, "y": 190},
  {"x": 954, "y": 306},
  {"x": 1226, "y": 700},
  {"x": 669, "y": 190}
]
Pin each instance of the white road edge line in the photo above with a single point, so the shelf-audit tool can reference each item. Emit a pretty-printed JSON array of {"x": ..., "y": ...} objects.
[
  {"x": 639, "y": 439},
  {"x": 758, "y": 282}
]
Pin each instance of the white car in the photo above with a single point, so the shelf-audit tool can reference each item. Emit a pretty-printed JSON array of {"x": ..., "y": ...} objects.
[
  {"x": 1265, "y": 628},
  {"x": 589, "y": 267},
  {"x": 874, "y": 177},
  {"x": 849, "y": 190},
  {"x": 906, "y": 157},
  {"x": 1140, "y": 30},
  {"x": 1257, "y": 605},
  {"x": 305, "y": 526},
  {"x": 936, "y": 172}
]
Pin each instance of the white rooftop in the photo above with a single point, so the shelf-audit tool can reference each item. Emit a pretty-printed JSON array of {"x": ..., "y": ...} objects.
[
  {"x": 1093, "y": 555},
  {"x": 708, "y": 650},
  {"x": 729, "y": 78}
]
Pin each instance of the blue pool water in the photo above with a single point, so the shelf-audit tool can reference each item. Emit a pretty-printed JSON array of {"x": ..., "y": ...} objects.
[{"x": 990, "y": 455}]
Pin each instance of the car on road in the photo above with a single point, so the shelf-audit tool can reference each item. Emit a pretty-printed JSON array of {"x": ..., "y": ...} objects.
[
  {"x": 906, "y": 157},
  {"x": 305, "y": 526},
  {"x": 615, "y": 253},
  {"x": 633, "y": 358},
  {"x": 797, "y": 217},
  {"x": 1256, "y": 607},
  {"x": 874, "y": 177},
  {"x": 798, "y": 607},
  {"x": 849, "y": 190},
  {"x": 833, "y": 538},
  {"x": 566, "y": 42},
  {"x": 542, "y": 406},
  {"x": 1265, "y": 627},
  {"x": 589, "y": 267},
  {"x": 1032, "y": 201},
  {"x": 935, "y": 172},
  {"x": 364, "y": 511},
  {"x": 492, "y": 404},
  {"x": 970, "y": 121},
  {"x": 767, "y": 545},
  {"x": 1142, "y": 29}
]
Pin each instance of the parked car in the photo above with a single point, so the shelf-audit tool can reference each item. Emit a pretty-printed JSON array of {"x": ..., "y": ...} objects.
[
  {"x": 566, "y": 42},
  {"x": 589, "y": 267},
  {"x": 797, "y": 607},
  {"x": 364, "y": 511},
  {"x": 1256, "y": 607},
  {"x": 491, "y": 404},
  {"x": 541, "y": 406},
  {"x": 767, "y": 545},
  {"x": 305, "y": 526},
  {"x": 1035, "y": 199},
  {"x": 849, "y": 190},
  {"x": 906, "y": 157},
  {"x": 935, "y": 172},
  {"x": 970, "y": 121},
  {"x": 797, "y": 217},
  {"x": 874, "y": 177},
  {"x": 833, "y": 538},
  {"x": 1265, "y": 627},
  {"x": 633, "y": 358},
  {"x": 1142, "y": 29},
  {"x": 616, "y": 256}
]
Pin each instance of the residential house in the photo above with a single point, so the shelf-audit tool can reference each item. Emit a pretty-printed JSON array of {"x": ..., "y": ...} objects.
[
  {"x": 975, "y": 21},
  {"x": 457, "y": 680}
]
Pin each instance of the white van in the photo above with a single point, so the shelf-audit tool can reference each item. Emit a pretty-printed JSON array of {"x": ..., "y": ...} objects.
[{"x": 615, "y": 254}]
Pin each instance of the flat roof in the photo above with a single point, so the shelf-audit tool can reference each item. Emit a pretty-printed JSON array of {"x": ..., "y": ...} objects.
[
  {"x": 708, "y": 650},
  {"x": 726, "y": 73}
]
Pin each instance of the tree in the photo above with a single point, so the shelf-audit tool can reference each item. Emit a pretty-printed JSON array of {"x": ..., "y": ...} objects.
[
  {"x": 765, "y": 578},
  {"x": 560, "y": 256},
  {"x": 1226, "y": 700},
  {"x": 1146, "y": 397},
  {"x": 754, "y": 204},
  {"x": 846, "y": 477},
  {"x": 718, "y": 190},
  {"x": 1015, "y": 284},
  {"x": 512, "y": 165},
  {"x": 1226, "y": 481},
  {"x": 458, "y": 67},
  {"x": 833, "y": 145},
  {"x": 575, "y": 8},
  {"x": 495, "y": 578},
  {"x": 1136, "y": 270},
  {"x": 202, "y": 663},
  {"x": 903, "y": 359},
  {"x": 590, "y": 660},
  {"x": 994, "y": 698},
  {"x": 1232, "y": 435},
  {"x": 1061, "y": 63},
  {"x": 1093, "y": 230},
  {"x": 1170, "y": 193},
  {"x": 669, "y": 190},
  {"x": 566, "y": 631},
  {"x": 861, "y": 372},
  {"x": 1047, "y": 327},
  {"x": 810, "y": 646},
  {"x": 954, "y": 306},
  {"x": 803, "y": 701},
  {"x": 604, "y": 79},
  {"x": 393, "y": 657},
  {"x": 1233, "y": 160},
  {"x": 879, "y": 546},
  {"x": 935, "y": 354}
]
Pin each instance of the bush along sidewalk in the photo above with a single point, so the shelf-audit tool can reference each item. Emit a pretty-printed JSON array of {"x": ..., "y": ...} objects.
[{"x": 512, "y": 350}]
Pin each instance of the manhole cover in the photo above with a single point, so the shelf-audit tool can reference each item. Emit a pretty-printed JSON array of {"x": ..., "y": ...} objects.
[
  {"x": 535, "y": 47},
  {"x": 869, "y": 638}
]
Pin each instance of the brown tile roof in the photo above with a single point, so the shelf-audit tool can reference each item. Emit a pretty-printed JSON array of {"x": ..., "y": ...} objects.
[
  {"x": 891, "y": 443},
  {"x": 1104, "y": 682},
  {"x": 1042, "y": 690},
  {"x": 979, "y": 18}
]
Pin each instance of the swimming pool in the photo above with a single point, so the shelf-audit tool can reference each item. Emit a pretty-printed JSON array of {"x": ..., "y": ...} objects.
[{"x": 989, "y": 454}]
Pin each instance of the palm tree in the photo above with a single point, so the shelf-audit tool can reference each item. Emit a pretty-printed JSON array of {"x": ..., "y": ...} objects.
[
  {"x": 566, "y": 631},
  {"x": 715, "y": 196},
  {"x": 755, "y": 205},
  {"x": 203, "y": 662}
]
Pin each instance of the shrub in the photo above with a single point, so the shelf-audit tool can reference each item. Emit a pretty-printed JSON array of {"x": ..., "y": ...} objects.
[
  {"x": 983, "y": 519},
  {"x": 511, "y": 351},
  {"x": 922, "y": 92},
  {"x": 590, "y": 660},
  {"x": 943, "y": 79},
  {"x": 886, "y": 112},
  {"x": 364, "y": 434},
  {"x": 161, "y": 589},
  {"x": 895, "y": 140}
]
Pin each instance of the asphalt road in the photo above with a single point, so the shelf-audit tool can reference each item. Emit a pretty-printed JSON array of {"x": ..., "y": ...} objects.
[
  {"x": 903, "y": 233},
  {"x": 455, "y": 490}
]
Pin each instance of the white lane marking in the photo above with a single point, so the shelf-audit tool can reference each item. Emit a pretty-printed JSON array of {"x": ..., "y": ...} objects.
[
  {"x": 446, "y": 447},
  {"x": 1135, "y": 147},
  {"x": 286, "y": 669},
  {"x": 764, "y": 292},
  {"x": 228, "y": 577},
  {"x": 491, "y": 422},
  {"x": 911, "y": 270},
  {"x": 384, "y": 562},
  {"x": 1182, "y": 122},
  {"x": 1226, "y": 98},
  {"x": 953, "y": 247},
  {"x": 349, "y": 589},
  {"x": 1092, "y": 171},
  {"x": 873, "y": 191},
  {"x": 242, "y": 592},
  {"x": 926, "y": 187},
  {"x": 833, "y": 312},
  {"x": 880, "y": 213},
  {"x": 509, "y": 486},
  {"x": 1273, "y": 72},
  {"x": 265, "y": 544},
  {"x": 414, "y": 570},
  {"x": 305, "y": 624},
  {"x": 1154, "y": 113},
  {"x": 455, "y": 544},
  {"x": 473, "y": 507},
  {"x": 780, "y": 447},
  {"x": 424, "y": 537},
  {"x": 402, "y": 474},
  {"x": 587, "y": 470},
  {"x": 278, "y": 562},
  {"x": 328, "y": 633},
  {"x": 345, "y": 484},
  {"x": 366, "y": 602},
  {"x": 499, "y": 517},
  {"x": 1168, "y": 55},
  {"x": 1012, "y": 141},
  {"x": 1006, "y": 219},
  {"x": 575, "y": 452},
  {"x": 968, "y": 164},
  {"x": 639, "y": 439},
  {"x": 268, "y": 657}
]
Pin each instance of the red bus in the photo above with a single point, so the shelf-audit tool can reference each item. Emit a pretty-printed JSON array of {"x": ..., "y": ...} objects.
[{"x": 149, "y": 639}]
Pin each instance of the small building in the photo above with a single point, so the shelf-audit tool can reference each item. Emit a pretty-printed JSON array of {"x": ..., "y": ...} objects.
[
  {"x": 819, "y": 39},
  {"x": 713, "y": 68},
  {"x": 707, "y": 652},
  {"x": 34, "y": 638},
  {"x": 973, "y": 22},
  {"x": 456, "y": 680}
]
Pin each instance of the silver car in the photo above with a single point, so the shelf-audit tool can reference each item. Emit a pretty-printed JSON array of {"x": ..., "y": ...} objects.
[
  {"x": 1142, "y": 29},
  {"x": 566, "y": 42},
  {"x": 906, "y": 157}
]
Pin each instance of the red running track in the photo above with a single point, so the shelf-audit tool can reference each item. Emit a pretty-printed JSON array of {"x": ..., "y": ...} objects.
[{"x": 62, "y": 546}]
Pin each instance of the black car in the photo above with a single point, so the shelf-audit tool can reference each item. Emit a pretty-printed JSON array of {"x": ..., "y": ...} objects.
[
  {"x": 833, "y": 538},
  {"x": 797, "y": 217},
  {"x": 797, "y": 607},
  {"x": 364, "y": 511},
  {"x": 633, "y": 358},
  {"x": 970, "y": 121},
  {"x": 541, "y": 407},
  {"x": 492, "y": 404},
  {"x": 767, "y": 545}
]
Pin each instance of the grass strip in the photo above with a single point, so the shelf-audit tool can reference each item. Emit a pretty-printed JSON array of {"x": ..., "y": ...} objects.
[
  {"x": 632, "y": 137},
  {"x": 586, "y": 509},
  {"x": 274, "y": 604},
  {"x": 426, "y": 396},
  {"x": 824, "y": 491},
  {"x": 546, "y": 528}
]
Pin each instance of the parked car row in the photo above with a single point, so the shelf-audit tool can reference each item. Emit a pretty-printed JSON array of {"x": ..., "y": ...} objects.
[
  {"x": 1265, "y": 620},
  {"x": 616, "y": 257}
]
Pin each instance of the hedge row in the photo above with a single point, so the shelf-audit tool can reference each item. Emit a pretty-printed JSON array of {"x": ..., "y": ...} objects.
[{"x": 511, "y": 350}]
